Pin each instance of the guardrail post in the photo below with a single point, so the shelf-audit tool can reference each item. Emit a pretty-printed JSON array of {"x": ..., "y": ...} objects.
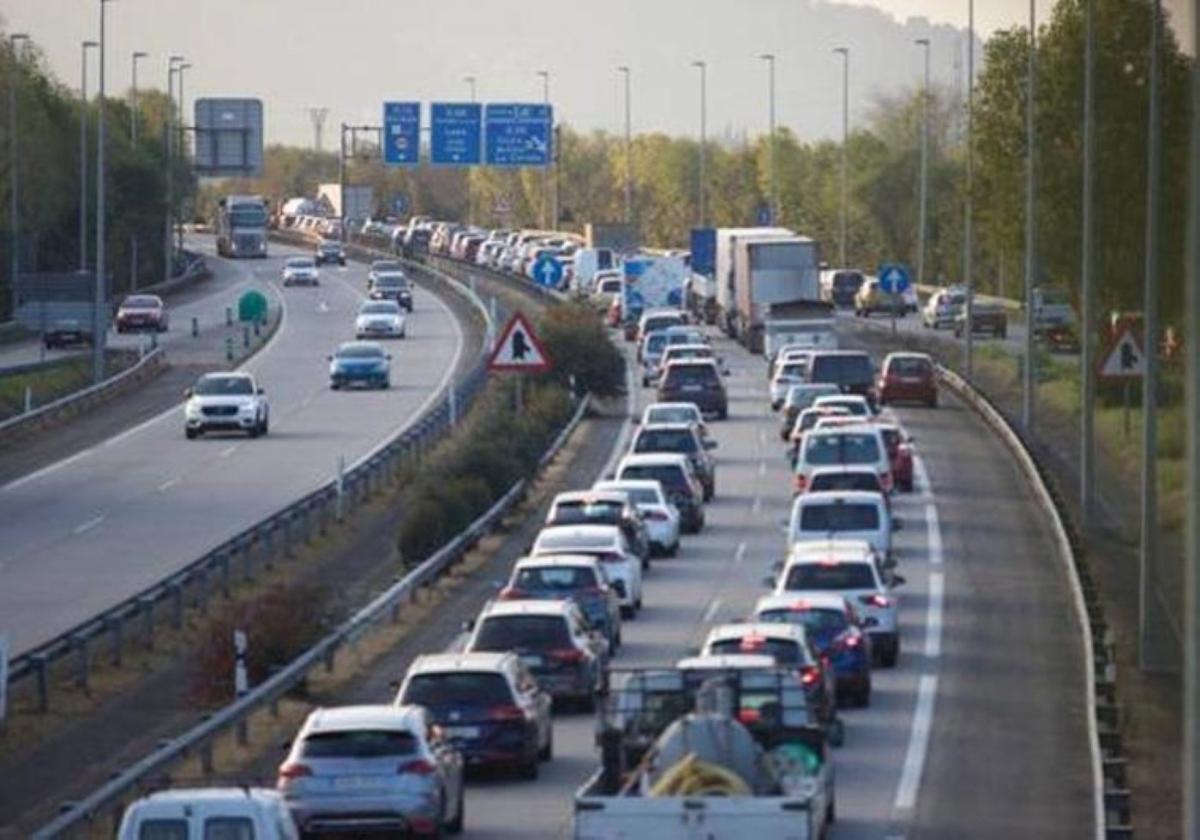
[
  {"x": 40, "y": 664},
  {"x": 146, "y": 604},
  {"x": 206, "y": 758},
  {"x": 176, "y": 589},
  {"x": 245, "y": 336},
  {"x": 228, "y": 348},
  {"x": 265, "y": 539},
  {"x": 243, "y": 733},
  {"x": 80, "y": 643},
  {"x": 257, "y": 327},
  {"x": 195, "y": 327},
  {"x": 223, "y": 565},
  {"x": 330, "y": 659},
  {"x": 28, "y": 399},
  {"x": 200, "y": 601},
  {"x": 229, "y": 316},
  {"x": 116, "y": 626}
]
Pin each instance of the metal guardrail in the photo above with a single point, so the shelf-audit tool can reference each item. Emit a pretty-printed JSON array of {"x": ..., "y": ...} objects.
[
  {"x": 389, "y": 604},
  {"x": 1110, "y": 787},
  {"x": 99, "y": 391},
  {"x": 279, "y": 534}
]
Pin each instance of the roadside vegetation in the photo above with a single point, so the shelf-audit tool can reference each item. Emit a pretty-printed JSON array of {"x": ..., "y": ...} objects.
[{"x": 53, "y": 380}]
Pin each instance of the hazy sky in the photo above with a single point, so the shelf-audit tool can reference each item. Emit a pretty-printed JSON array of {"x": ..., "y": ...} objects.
[{"x": 351, "y": 55}]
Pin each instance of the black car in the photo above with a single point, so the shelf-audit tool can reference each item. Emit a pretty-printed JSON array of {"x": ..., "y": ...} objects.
[
  {"x": 329, "y": 252},
  {"x": 393, "y": 287},
  {"x": 850, "y": 370},
  {"x": 698, "y": 382}
]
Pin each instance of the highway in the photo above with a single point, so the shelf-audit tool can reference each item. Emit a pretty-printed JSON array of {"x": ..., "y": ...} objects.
[{"x": 84, "y": 532}]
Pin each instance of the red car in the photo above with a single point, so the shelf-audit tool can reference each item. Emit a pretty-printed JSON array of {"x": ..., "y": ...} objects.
[
  {"x": 142, "y": 312},
  {"x": 908, "y": 377},
  {"x": 900, "y": 455}
]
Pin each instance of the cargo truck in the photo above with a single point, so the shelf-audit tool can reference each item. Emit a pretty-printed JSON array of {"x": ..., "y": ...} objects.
[
  {"x": 725, "y": 297},
  {"x": 241, "y": 226},
  {"x": 778, "y": 294}
]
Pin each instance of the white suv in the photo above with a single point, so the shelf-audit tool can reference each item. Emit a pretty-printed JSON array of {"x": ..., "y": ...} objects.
[
  {"x": 606, "y": 542},
  {"x": 226, "y": 402},
  {"x": 844, "y": 514},
  {"x": 859, "y": 445}
]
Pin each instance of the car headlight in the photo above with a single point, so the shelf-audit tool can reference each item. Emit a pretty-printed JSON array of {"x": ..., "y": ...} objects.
[{"x": 192, "y": 410}]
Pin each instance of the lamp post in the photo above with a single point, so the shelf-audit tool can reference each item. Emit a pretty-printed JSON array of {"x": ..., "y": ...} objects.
[
  {"x": 133, "y": 138},
  {"x": 544, "y": 75},
  {"x": 969, "y": 209},
  {"x": 99, "y": 322},
  {"x": 628, "y": 150},
  {"x": 773, "y": 202},
  {"x": 702, "y": 187},
  {"x": 169, "y": 140},
  {"x": 924, "y": 209},
  {"x": 470, "y": 80},
  {"x": 13, "y": 168},
  {"x": 845, "y": 54},
  {"x": 182, "y": 147},
  {"x": 83, "y": 151},
  {"x": 1030, "y": 224}
]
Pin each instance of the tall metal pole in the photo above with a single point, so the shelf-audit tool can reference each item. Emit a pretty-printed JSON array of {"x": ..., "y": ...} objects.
[
  {"x": 1191, "y": 571},
  {"x": 924, "y": 209},
  {"x": 99, "y": 321},
  {"x": 845, "y": 53},
  {"x": 1087, "y": 308},
  {"x": 702, "y": 187},
  {"x": 470, "y": 80},
  {"x": 342, "y": 185},
  {"x": 169, "y": 140},
  {"x": 628, "y": 151},
  {"x": 83, "y": 152},
  {"x": 133, "y": 139},
  {"x": 1155, "y": 635},
  {"x": 969, "y": 210},
  {"x": 13, "y": 168},
  {"x": 1030, "y": 223},
  {"x": 545, "y": 77},
  {"x": 182, "y": 147},
  {"x": 773, "y": 203}
]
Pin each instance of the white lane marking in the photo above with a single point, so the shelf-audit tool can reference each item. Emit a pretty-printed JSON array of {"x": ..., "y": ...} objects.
[
  {"x": 168, "y": 484},
  {"x": 933, "y": 620},
  {"x": 762, "y": 468},
  {"x": 229, "y": 450},
  {"x": 740, "y": 555},
  {"x": 756, "y": 508},
  {"x": 711, "y": 612},
  {"x": 89, "y": 525},
  {"x": 934, "y": 535},
  {"x": 921, "y": 485},
  {"x": 322, "y": 307},
  {"x": 33, "y": 476},
  {"x": 918, "y": 744}
]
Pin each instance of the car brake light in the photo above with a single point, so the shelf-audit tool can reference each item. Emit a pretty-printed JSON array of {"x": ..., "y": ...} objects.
[
  {"x": 749, "y": 716},
  {"x": 288, "y": 772},
  {"x": 422, "y": 825},
  {"x": 800, "y": 483},
  {"x": 876, "y": 600},
  {"x": 568, "y": 655},
  {"x": 509, "y": 711},
  {"x": 851, "y": 641},
  {"x": 511, "y": 593},
  {"x": 656, "y": 516},
  {"x": 418, "y": 767},
  {"x": 885, "y": 481},
  {"x": 809, "y": 675}
]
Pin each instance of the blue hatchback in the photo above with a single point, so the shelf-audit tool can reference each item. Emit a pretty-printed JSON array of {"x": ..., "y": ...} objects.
[
  {"x": 360, "y": 363},
  {"x": 834, "y": 630}
]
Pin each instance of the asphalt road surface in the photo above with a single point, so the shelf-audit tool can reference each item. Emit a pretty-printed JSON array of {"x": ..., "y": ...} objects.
[{"x": 81, "y": 534}]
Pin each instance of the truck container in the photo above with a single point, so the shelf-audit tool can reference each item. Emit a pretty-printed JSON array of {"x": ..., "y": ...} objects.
[
  {"x": 241, "y": 226},
  {"x": 778, "y": 294},
  {"x": 724, "y": 280}
]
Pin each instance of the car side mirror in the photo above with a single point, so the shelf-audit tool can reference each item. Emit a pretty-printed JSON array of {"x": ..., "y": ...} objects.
[
  {"x": 897, "y": 524},
  {"x": 284, "y": 746},
  {"x": 619, "y": 586},
  {"x": 769, "y": 581},
  {"x": 389, "y": 357},
  {"x": 394, "y": 686},
  {"x": 777, "y": 566},
  {"x": 897, "y": 580},
  {"x": 188, "y": 393},
  {"x": 870, "y": 621},
  {"x": 468, "y": 625},
  {"x": 329, "y": 358},
  {"x": 262, "y": 390},
  {"x": 710, "y": 445}
]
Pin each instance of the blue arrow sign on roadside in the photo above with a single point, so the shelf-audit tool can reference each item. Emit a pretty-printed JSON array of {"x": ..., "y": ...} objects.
[
  {"x": 547, "y": 271},
  {"x": 893, "y": 279}
]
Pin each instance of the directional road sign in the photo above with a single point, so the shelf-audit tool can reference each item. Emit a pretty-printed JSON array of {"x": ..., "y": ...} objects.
[
  {"x": 1123, "y": 359},
  {"x": 547, "y": 271},
  {"x": 399, "y": 204},
  {"x": 402, "y": 133},
  {"x": 893, "y": 279},
  {"x": 456, "y": 131},
  {"x": 519, "y": 135},
  {"x": 519, "y": 349}
]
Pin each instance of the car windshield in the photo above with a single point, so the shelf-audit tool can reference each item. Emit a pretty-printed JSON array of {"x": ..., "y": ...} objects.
[
  {"x": 819, "y": 622},
  {"x": 860, "y": 480},
  {"x": 891, "y": 437},
  {"x": 830, "y": 576},
  {"x": 382, "y": 308},
  {"x": 330, "y": 246},
  {"x": 522, "y": 632},
  {"x": 555, "y": 578},
  {"x": 856, "y": 407},
  {"x": 785, "y": 651},
  {"x": 909, "y": 366},
  {"x": 384, "y": 265},
  {"x": 300, "y": 262},
  {"x": 661, "y": 322},
  {"x": 841, "y": 448},
  {"x": 217, "y": 386},
  {"x": 360, "y": 352},
  {"x": 672, "y": 414},
  {"x": 804, "y": 395},
  {"x": 850, "y": 369},
  {"x": 794, "y": 370},
  {"x": 358, "y": 743},
  {"x": 458, "y": 688},
  {"x": 581, "y": 512},
  {"x": 391, "y": 281},
  {"x": 141, "y": 302},
  {"x": 642, "y": 496},
  {"x": 831, "y": 517},
  {"x": 578, "y": 542},
  {"x": 680, "y": 441},
  {"x": 684, "y": 338},
  {"x": 655, "y": 343},
  {"x": 248, "y": 217},
  {"x": 705, "y": 375},
  {"x": 669, "y": 475}
]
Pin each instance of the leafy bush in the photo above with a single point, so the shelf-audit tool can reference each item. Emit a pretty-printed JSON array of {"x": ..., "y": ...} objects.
[{"x": 579, "y": 346}]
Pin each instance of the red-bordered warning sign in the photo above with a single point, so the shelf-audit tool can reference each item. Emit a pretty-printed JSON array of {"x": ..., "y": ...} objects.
[
  {"x": 1123, "y": 358},
  {"x": 519, "y": 349}
]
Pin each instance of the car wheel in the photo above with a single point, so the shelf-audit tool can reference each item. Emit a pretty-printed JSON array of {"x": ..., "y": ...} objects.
[
  {"x": 863, "y": 700},
  {"x": 932, "y": 402},
  {"x": 254, "y": 430},
  {"x": 333, "y": 386},
  {"x": 836, "y": 733},
  {"x": 547, "y": 752},
  {"x": 266, "y": 424},
  {"x": 627, "y": 611},
  {"x": 673, "y": 550},
  {"x": 723, "y": 414},
  {"x": 889, "y": 656},
  {"x": 529, "y": 770},
  {"x": 455, "y": 826},
  {"x": 191, "y": 434}
]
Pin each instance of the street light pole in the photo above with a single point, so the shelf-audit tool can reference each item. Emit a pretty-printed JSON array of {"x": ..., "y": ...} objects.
[
  {"x": 773, "y": 203},
  {"x": 845, "y": 54},
  {"x": 545, "y": 77},
  {"x": 99, "y": 322},
  {"x": 1087, "y": 376},
  {"x": 1027, "y": 380},
  {"x": 628, "y": 151},
  {"x": 924, "y": 209},
  {"x": 470, "y": 80},
  {"x": 969, "y": 211},
  {"x": 133, "y": 139},
  {"x": 169, "y": 140},
  {"x": 182, "y": 148},
  {"x": 13, "y": 168},
  {"x": 83, "y": 152},
  {"x": 702, "y": 188}
]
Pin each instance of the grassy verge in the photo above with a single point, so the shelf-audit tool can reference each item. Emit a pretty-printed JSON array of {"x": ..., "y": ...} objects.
[{"x": 53, "y": 381}]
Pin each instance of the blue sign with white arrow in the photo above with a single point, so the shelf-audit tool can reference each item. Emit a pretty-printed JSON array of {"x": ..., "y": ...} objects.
[
  {"x": 402, "y": 133},
  {"x": 519, "y": 135},
  {"x": 547, "y": 271},
  {"x": 893, "y": 279},
  {"x": 456, "y": 133}
]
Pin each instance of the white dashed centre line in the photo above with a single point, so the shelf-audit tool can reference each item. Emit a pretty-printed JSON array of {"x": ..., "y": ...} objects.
[{"x": 89, "y": 525}]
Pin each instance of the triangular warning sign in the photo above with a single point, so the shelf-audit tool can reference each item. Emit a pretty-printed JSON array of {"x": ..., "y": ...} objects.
[
  {"x": 519, "y": 348},
  {"x": 1123, "y": 359}
]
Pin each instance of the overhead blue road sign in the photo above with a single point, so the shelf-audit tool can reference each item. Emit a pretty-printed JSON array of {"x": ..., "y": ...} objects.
[
  {"x": 893, "y": 279},
  {"x": 519, "y": 135},
  {"x": 456, "y": 131},
  {"x": 547, "y": 271},
  {"x": 402, "y": 133},
  {"x": 704, "y": 251}
]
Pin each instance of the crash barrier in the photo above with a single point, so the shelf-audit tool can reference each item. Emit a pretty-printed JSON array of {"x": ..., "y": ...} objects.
[
  {"x": 102, "y": 808},
  {"x": 1110, "y": 783},
  {"x": 136, "y": 621},
  {"x": 52, "y": 412}
]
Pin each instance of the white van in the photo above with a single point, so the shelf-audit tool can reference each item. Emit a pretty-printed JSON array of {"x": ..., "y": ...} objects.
[
  {"x": 857, "y": 445},
  {"x": 187, "y": 814},
  {"x": 844, "y": 515}
]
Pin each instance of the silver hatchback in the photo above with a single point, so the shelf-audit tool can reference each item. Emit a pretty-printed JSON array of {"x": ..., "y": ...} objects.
[{"x": 369, "y": 769}]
